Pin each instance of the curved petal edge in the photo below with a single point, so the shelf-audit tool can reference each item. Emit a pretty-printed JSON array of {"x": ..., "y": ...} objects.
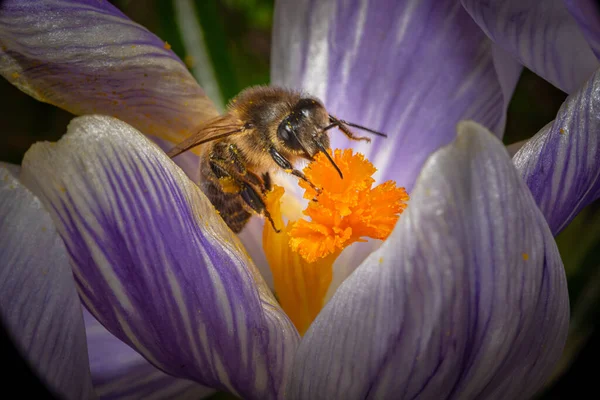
[
  {"x": 156, "y": 265},
  {"x": 467, "y": 299},
  {"x": 89, "y": 58},
  {"x": 543, "y": 36},
  {"x": 119, "y": 372},
  {"x": 561, "y": 163},
  {"x": 39, "y": 306},
  {"x": 412, "y": 69},
  {"x": 587, "y": 15}
]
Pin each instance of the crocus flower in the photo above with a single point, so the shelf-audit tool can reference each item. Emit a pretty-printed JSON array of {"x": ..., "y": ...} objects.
[{"x": 465, "y": 299}]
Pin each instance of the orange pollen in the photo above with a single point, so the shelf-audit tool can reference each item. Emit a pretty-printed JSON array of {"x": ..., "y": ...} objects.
[
  {"x": 302, "y": 254},
  {"x": 346, "y": 210}
]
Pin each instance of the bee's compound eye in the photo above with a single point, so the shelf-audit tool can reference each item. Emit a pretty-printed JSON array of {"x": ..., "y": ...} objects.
[{"x": 286, "y": 132}]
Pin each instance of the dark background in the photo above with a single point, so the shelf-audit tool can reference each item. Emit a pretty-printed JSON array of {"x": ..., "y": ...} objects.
[{"x": 238, "y": 32}]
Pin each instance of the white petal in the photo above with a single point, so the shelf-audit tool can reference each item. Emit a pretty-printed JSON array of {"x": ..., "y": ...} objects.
[
  {"x": 39, "y": 305},
  {"x": 155, "y": 263},
  {"x": 467, "y": 299}
]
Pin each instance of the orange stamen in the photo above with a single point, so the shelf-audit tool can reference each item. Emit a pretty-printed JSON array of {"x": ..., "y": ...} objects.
[{"x": 347, "y": 210}]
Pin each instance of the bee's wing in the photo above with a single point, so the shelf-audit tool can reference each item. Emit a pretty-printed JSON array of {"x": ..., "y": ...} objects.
[{"x": 214, "y": 129}]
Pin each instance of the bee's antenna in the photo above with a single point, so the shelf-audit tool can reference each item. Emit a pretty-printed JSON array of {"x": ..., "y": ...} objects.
[
  {"x": 338, "y": 122},
  {"x": 322, "y": 148},
  {"x": 328, "y": 127}
]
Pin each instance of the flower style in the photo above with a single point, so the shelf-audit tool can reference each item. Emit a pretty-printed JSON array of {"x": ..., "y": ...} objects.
[{"x": 465, "y": 299}]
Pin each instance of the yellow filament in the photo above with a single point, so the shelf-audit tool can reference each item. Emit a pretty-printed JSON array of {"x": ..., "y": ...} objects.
[
  {"x": 346, "y": 211},
  {"x": 300, "y": 286}
]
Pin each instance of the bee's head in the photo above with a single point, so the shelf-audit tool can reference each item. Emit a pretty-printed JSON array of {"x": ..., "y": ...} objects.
[{"x": 301, "y": 131}]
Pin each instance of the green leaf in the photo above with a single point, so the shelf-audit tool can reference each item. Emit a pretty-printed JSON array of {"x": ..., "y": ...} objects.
[
  {"x": 192, "y": 34},
  {"x": 226, "y": 44}
]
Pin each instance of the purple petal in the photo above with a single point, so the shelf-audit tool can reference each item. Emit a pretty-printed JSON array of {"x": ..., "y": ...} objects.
[
  {"x": 467, "y": 299},
  {"x": 89, "y": 58},
  {"x": 188, "y": 161},
  {"x": 561, "y": 163},
  {"x": 39, "y": 306},
  {"x": 411, "y": 69},
  {"x": 156, "y": 265},
  {"x": 542, "y": 35},
  {"x": 251, "y": 238},
  {"x": 587, "y": 15},
  {"x": 119, "y": 372},
  {"x": 13, "y": 169}
]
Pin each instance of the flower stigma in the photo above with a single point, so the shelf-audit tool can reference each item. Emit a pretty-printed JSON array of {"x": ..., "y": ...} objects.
[{"x": 343, "y": 212}]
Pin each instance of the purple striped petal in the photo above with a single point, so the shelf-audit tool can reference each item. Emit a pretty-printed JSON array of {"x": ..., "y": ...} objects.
[
  {"x": 412, "y": 69},
  {"x": 39, "y": 306},
  {"x": 156, "y": 265},
  {"x": 561, "y": 163},
  {"x": 88, "y": 58},
  {"x": 467, "y": 299},
  {"x": 119, "y": 372},
  {"x": 187, "y": 161},
  {"x": 540, "y": 34},
  {"x": 587, "y": 15}
]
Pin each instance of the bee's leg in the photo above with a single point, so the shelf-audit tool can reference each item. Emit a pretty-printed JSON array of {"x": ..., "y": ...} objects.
[
  {"x": 233, "y": 155},
  {"x": 267, "y": 181},
  {"x": 241, "y": 169},
  {"x": 256, "y": 203},
  {"x": 263, "y": 183},
  {"x": 349, "y": 134},
  {"x": 227, "y": 180},
  {"x": 288, "y": 167},
  {"x": 243, "y": 186},
  {"x": 254, "y": 179},
  {"x": 225, "y": 163}
]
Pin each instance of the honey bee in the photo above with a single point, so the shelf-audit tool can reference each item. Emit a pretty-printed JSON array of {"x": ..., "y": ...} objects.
[{"x": 264, "y": 128}]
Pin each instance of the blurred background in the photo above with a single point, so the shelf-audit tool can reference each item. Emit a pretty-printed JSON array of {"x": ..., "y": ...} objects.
[{"x": 238, "y": 32}]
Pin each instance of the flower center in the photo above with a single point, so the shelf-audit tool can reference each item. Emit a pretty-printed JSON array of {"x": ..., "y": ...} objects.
[{"x": 343, "y": 212}]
